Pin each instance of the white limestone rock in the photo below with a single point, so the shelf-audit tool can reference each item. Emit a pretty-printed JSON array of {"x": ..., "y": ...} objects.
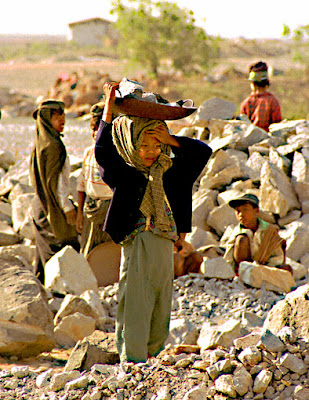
[
  {"x": 227, "y": 195},
  {"x": 286, "y": 128},
  {"x": 249, "y": 340},
  {"x": 292, "y": 216},
  {"x": 217, "y": 268},
  {"x": 8, "y": 236},
  {"x": 58, "y": 380},
  {"x": 100, "y": 313},
  {"x": 297, "y": 238},
  {"x": 253, "y": 134},
  {"x": 197, "y": 393},
  {"x": 242, "y": 381},
  {"x": 275, "y": 279},
  {"x": 224, "y": 384},
  {"x": 221, "y": 171},
  {"x": 21, "y": 215},
  {"x": 6, "y": 159},
  {"x": 282, "y": 162},
  {"x": 299, "y": 270},
  {"x": 200, "y": 238},
  {"x": 20, "y": 189},
  {"x": 242, "y": 186},
  {"x": 72, "y": 304},
  {"x": 305, "y": 207},
  {"x": 69, "y": 272},
  {"x": 292, "y": 311},
  {"x": 293, "y": 363},
  {"x": 254, "y": 165},
  {"x": 182, "y": 331},
  {"x": 26, "y": 323},
  {"x": 202, "y": 203},
  {"x": 276, "y": 191},
  {"x": 262, "y": 381},
  {"x": 73, "y": 328},
  {"x": 219, "y": 335},
  {"x": 213, "y": 108},
  {"x": 221, "y": 142},
  {"x": 221, "y": 217},
  {"x": 302, "y": 191},
  {"x": 250, "y": 356}
]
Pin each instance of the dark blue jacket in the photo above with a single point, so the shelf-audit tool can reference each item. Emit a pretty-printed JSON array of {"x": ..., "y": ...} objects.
[{"x": 129, "y": 184}]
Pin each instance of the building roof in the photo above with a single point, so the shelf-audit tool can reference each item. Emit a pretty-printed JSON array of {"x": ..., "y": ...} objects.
[{"x": 87, "y": 21}]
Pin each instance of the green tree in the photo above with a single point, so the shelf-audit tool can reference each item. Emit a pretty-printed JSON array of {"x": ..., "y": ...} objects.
[
  {"x": 152, "y": 33},
  {"x": 301, "y": 37}
]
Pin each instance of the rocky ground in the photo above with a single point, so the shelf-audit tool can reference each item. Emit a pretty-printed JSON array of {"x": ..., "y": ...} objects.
[
  {"x": 179, "y": 372},
  {"x": 221, "y": 345}
]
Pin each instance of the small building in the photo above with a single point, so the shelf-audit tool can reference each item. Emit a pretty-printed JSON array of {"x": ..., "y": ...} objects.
[{"x": 92, "y": 32}]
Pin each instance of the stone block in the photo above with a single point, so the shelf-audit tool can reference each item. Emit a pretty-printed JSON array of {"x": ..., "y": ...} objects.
[{"x": 274, "y": 279}]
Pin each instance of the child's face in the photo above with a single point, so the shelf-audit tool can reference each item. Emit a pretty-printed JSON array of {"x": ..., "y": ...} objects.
[
  {"x": 94, "y": 133},
  {"x": 57, "y": 121},
  {"x": 150, "y": 150},
  {"x": 247, "y": 215}
]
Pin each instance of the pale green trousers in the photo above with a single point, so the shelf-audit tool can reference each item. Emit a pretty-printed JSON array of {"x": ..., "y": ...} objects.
[{"x": 144, "y": 297}]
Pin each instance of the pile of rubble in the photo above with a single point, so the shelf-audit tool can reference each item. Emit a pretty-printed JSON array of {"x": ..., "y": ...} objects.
[
  {"x": 272, "y": 367},
  {"x": 79, "y": 91},
  {"x": 272, "y": 165},
  {"x": 227, "y": 339},
  {"x": 16, "y": 104}
]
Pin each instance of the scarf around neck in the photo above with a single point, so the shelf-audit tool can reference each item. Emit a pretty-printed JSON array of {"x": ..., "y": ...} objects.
[{"x": 128, "y": 134}]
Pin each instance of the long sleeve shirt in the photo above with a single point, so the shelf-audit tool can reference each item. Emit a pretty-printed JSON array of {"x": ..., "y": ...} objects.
[{"x": 129, "y": 184}]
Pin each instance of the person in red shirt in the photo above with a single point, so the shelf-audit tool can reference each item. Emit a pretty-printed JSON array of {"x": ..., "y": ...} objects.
[{"x": 261, "y": 107}]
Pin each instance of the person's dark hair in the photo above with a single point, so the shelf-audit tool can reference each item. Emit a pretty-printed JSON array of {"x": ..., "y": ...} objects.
[
  {"x": 258, "y": 67},
  {"x": 95, "y": 121},
  {"x": 262, "y": 84},
  {"x": 96, "y": 112},
  {"x": 56, "y": 111}
]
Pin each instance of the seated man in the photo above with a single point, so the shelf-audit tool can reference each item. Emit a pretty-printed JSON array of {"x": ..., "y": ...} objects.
[{"x": 253, "y": 239}]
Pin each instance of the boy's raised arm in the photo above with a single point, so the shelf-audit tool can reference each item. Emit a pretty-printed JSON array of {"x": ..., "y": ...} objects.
[{"x": 109, "y": 89}]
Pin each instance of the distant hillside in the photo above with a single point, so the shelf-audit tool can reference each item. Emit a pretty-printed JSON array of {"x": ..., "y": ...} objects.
[
  {"x": 278, "y": 53},
  {"x": 233, "y": 50},
  {"x": 19, "y": 38},
  {"x": 242, "y": 47}
]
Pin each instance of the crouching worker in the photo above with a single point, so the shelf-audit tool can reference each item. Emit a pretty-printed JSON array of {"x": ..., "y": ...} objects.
[
  {"x": 151, "y": 174},
  {"x": 255, "y": 240}
]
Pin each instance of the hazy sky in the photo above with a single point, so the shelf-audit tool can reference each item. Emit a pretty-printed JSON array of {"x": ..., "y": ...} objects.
[{"x": 227, "y": 18}]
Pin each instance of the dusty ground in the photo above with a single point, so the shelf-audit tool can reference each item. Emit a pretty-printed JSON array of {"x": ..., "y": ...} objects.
[
  {"x": 57, "y": 359},
  {"x": 36, "y": 78},
  {"x": 179, "y": 381}
]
